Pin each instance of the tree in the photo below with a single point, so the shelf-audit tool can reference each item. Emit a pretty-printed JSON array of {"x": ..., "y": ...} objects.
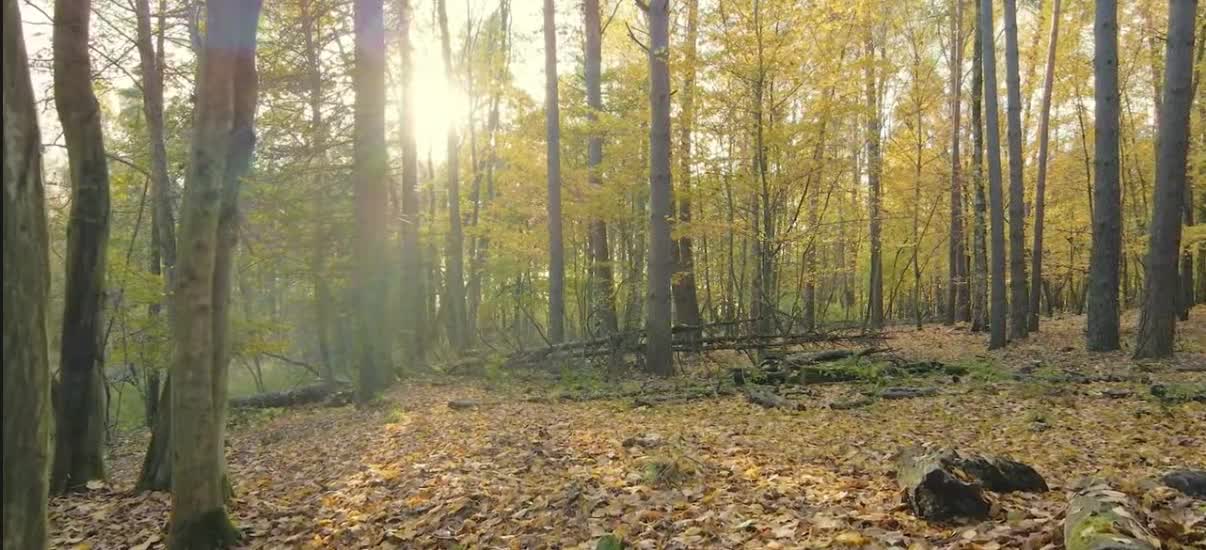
[
  {"x": 222, "y": 147},
  {"x": 371, "y": 171},
  {"x": 1158, "y": 320},
  {"x": 156, "y": 468},
  {"x": 552, "y": 126},
  {"x": 658, "y": 351},
  {"x": 458, "y": 325},
  {"x": 997, "y": 301},
  {"x": 26, "y": 367},
  {"x": 1018, "y": 296},
  {"x": 1040, "y": 186},
  {"x": 412, "y": 290},
  {"x": 80, "y": 401},
  {"x": 957, "y": 291},
  {"x": 876, "y": 285},
  {"x": 686, "y": 300},
  {"x": 1102, "y": 323},
  {"x": 979, "y": 279},
  {"x": 600, "y": 254}
]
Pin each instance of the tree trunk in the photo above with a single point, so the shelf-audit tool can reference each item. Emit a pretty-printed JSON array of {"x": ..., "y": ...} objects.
[
  {"x": 412, "y": 315},
  {"x": 80, "y": 407},
  {"x": 1102, "y": 322},
  {"x": 686, "y": 300},
  {"x": 979, "y": 290},
  {"x": 224, "y": 139},
  {"x": 458, "y": 324},
  {"x": 156, "y": 473},
  {"x": 957, "y": 291},
  {"x": 1040, "y": 189},
  {"x": 876, "y": 285},
  {"x": 1019, "y": 297},
  {"x": 997, "y": 301},
  {"x": 601, "y": 270},
  {"x": 1158, "y": 321},
  {"x": 552, "y": 125},
  {"x": 371, "y": 173},
  {"x": 27, "y": 406},
  {"x": 658, "y": 353}
]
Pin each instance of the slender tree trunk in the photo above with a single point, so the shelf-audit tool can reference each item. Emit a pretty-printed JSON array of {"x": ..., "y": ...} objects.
[
  {"x": 601, "y": 270},
  {"x": 370, "y": 173},
  {"x": 81, "y": 407},
  {"x": 221, "y": 153},
  {"x": 27, "y": 406},
  {"x": 658, "y": 352},
  {"x": 686, "y": 300},
  {"x": 997, "y": 301},
  {"x": 412, "y": 315},
  {"x": 876, "y": 285},
  {"x": 1036, "y": 260},
  {"x": 552, "y": 126},
  {"x": 458, "y": 325},
  {"x": 1189, "y": 295},
  {"x": 957, "y": 306},
  {"x": 1019, "y": 296},
  {"x": 1102, "y": 323},
  {"x": 979, "y": 290},
  {"x": 1158, "y": 321}
]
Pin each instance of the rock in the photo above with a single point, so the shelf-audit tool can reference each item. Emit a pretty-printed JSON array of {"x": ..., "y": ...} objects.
[
  {"x": 1100, "y": 518},
  {"x": 935, "y": 492},
  {"x": 906, "y": 393},
  {"x": 647, "y": 441},
  {"x": 1190, "y": 482}
]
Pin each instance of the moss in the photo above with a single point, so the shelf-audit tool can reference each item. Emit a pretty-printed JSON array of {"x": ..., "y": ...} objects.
[{"x": 209, "y": 531}]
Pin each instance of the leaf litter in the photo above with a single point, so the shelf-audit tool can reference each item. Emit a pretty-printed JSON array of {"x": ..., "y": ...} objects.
[{"x": 409, "y": 472}]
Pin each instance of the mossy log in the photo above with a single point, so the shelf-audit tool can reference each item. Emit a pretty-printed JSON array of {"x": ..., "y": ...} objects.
[{"x": 1100, "y": 518}]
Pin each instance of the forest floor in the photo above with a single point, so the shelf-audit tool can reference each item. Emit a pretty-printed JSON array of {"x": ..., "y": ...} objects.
[{"x": 412, "y": 472}]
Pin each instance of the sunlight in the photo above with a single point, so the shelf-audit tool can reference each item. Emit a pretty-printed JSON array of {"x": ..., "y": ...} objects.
[{"x": 435, "y": 105}]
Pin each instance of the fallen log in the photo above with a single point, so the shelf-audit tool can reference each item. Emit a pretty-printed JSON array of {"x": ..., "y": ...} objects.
[
  {"x": 767, "y": 399},
  {"x": 934, "y": 491},
  {"x": 1100, "y": 518},
  {"x": 907, "y": 393},
  {"x": 998, "y": 474},
  {"x": 303, "y": 395}
]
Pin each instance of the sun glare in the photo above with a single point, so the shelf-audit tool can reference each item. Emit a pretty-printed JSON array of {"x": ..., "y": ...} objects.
[{"x": 436, "y": 106}]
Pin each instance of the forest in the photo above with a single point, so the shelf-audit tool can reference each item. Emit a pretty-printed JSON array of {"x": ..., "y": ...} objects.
[{"x": 604, "y": 274}]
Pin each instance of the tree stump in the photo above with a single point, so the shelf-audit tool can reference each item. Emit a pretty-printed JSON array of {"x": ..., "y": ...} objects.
[
  {"x": 1100, "y": 518},
  {"x": 935, "y": 491}
]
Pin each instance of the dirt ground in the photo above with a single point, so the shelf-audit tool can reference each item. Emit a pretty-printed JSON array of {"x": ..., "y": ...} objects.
[{"x": 410, "y": 472}]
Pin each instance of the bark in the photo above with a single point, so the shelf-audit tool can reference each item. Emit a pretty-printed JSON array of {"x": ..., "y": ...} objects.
[
  {"x": 658, "y": 351},
  {"x": 412, "y": 315},
  {"x": 80, "y": 403},
  {"x": 1019, "y": 297},
  {"x": 223, "y": 141},
  {"x": 601, "y": 269},
  {"x": 1040, "y": 189},
  {"x": 876, "y": 284},
  {"x": 997, "y": 301},
  {"x": 979, "y": 283},
  {"x": 1157, "y": 323},
  {"x": 27, "y": 407},
  {"x": 156, "y": 473},
  {"x": 552, "y": 127},
  {"x": 370, "y": 173},
  {"x": 957, "y": 286},
  {"x": 458, "y": 325},
  {"x": 686, "y": 300},
  {"x": 934, "y": 491},
  {"x": 1102, "y": 322}
]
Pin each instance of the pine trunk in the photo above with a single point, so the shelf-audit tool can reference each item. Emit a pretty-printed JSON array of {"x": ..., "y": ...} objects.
[
  {"x": 957, "y": 291},
  {"x": 997, "y": 300},
  {"x": 686, "y": 300},
  {"x": 601, "y": 270},
  {"x": 1019, "y": 297},
  {"x": 979, "y": 284},
  {"x": 412, "y": 315},
  {"x": 454, "y": 296},
  {"x": 1040, "y": 189},
  {"x": 552, "y": 125}
]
